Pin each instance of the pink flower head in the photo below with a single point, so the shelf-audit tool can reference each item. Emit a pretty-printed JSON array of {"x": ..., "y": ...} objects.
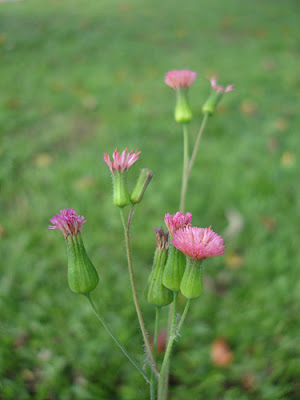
[
  {"x": 122, "y": 160},
  {"x": 218, "y": 88},
  {"x": 180, "y": 78},
  {"x": 68, "y": 222},
  {"x": 198, "y": 243},
  {"x": 177, "y": 221}
]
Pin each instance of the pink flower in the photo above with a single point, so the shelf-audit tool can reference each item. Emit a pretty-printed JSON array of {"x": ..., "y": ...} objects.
[
  {"x": 198, "y": 243},
  {"x": 121, "y": 161},
  {"x": 180, "y": 78},
  {"x": 68, "y": 222},
  {"x": 218, "y": 88},
  {"x": 177, "y": 221}
]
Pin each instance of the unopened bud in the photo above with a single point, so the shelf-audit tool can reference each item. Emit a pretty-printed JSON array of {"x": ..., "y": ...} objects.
[{"x": 141, "y": 186}]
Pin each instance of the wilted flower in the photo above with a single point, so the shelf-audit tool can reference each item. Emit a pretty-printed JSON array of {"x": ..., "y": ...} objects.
[
  {"x": 156, "y": 293},
  {"x": 219, "y": 88},
  {"x": 216, "y": 95}
]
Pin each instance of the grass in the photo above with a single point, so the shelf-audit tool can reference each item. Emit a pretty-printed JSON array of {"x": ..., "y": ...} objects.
[{"x": 79, "y": 78}]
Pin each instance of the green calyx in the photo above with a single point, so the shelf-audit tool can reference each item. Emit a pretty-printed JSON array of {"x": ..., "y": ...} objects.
[
  {"x": 192, "y": 285},
  {"x": 174, "y": 269},
  {"x": 156, "y": 293},
  {"x": 141, "y": 186},
  {"x": 210, "y": 105},
  {"x": 183, "y": 113},
  {"x": 120, "y": 190},
  {"x": 82, "y": 275}
]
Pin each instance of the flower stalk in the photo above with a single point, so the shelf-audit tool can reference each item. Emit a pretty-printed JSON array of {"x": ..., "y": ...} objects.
[
  {"x": 148, "y": 349},
  {"x": 118, "y": 343}
]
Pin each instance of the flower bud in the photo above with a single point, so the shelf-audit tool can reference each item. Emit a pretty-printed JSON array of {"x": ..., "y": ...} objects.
[
  {"x": 141, "y": 186},
  {"x": 174, "y": 269},
  {"x": 156, "y": 293},
  {"x": 120, "y": 190},
  {"x": 192, "y": 285},
  {"x": 82, "y": 275},
  {"x": 183, "y": 113}
]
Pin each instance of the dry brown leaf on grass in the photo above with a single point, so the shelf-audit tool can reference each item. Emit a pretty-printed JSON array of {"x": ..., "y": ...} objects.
[{"x": 220, "y": 353}]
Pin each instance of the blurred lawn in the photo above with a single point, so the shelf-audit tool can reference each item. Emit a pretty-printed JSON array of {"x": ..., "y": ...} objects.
[{"x": 81, "y": 77}]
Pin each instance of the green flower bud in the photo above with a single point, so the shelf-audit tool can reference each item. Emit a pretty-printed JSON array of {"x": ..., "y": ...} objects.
[
  {"x": 174, "y": 269},
  {"x": 156, "y": 293},
  {"x": 192, "y": 285},
  {"x": 183, "y": 113},
  {"x": 141, "y": 186},
  {"x": 120, "y": 190},
  {"x": 82, "y": 275}
]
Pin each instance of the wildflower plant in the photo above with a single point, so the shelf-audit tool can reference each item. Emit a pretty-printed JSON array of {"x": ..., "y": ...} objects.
[{"x": 179, "y": 252}]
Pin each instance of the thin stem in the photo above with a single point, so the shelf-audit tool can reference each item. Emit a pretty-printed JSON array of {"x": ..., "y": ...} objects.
[
  {"x": 156, "y": 329},
  {"x": 191, "y": 163},
  {"x": 152, "y": 381},
  {"x": 186, "y": 308},
  {"x": 172, "y": 337},
  {"x": 166, "y": 383},
  {"x": 149, "y": 353},
  {"x": 122, "y": 348},
  {"x": 185, "y": 166}
]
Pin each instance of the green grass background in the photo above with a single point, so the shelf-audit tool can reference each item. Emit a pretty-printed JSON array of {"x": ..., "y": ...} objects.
[{"x": 81, "y": 77}]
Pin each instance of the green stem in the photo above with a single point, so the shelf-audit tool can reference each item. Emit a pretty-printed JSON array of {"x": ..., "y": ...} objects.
[
  {"x": 186, "y": 308},
  {"x": 122, "y": 348},
  {"x": 185, "y": 166},
  {"x": 157, "y": 316},
  {"x": 188, "y": 168},
  {"x": 191, "y": 163},
  {"x": 162, "y": 393},
  {"x": 152, "y": 381},
  {"x": 149, "y": 353},
  {"x": 172, "y": 337}
]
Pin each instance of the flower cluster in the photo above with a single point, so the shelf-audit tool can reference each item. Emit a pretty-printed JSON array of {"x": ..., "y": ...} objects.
[
  {"x": 68, "y": 222},
  {"x": 180, "y": 79},
  {"x": 198, "y": 243},
  {"x": 177, "y": 221},
  {"x": 121, "y": 161}
]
